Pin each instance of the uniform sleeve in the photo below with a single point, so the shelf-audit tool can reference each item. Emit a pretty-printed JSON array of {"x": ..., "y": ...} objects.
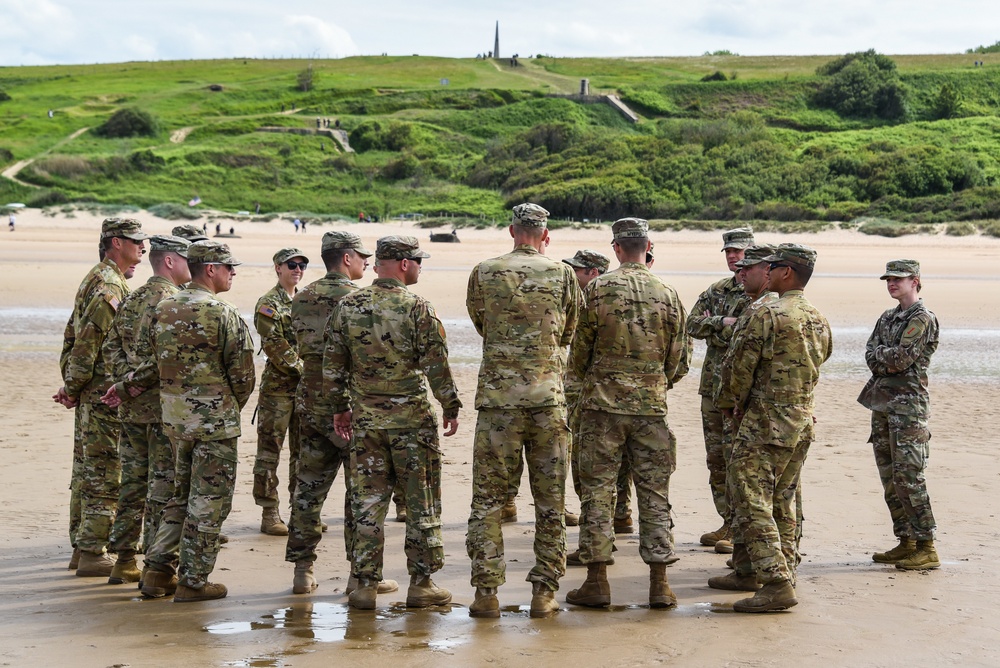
[
  {"x": 747, "y": 357},
  {"x": 874, "y": 365},
  {"x": 432, "y": 351},
  {"x": 474, "y": 301},
  {"x": 69, "y": 339},
  {"x": 678, "y": 360},
  {"x": 919, "y": 331},
  {"x": 708, "y": 327},
  {"x": 582, "y": 348},
  {"x": 147, "y": 374},
  {"x": 272, "y": 339},
  {"x": 115, "y": 360},
  {"x": 336, "y": 363},
  {"x": 237, "y": 357},
  {"x": 78, "y": 371},
  {"x": 572, "y": 301}
]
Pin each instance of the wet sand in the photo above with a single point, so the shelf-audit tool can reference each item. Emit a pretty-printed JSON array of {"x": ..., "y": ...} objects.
[{"x": 851, "y": 611}]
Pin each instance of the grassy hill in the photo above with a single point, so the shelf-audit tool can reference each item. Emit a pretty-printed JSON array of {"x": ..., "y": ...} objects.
[{"x": 760, "y": 143}]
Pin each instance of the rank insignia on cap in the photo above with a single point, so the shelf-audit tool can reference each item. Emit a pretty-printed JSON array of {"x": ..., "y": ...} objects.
[{"x": 266, "y": 310}]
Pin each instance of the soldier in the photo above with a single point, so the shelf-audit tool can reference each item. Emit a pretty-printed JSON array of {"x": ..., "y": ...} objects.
[
  {"x": 385, "y": 345},
  {"x": 276, "y": 400},
  {"x": 321, "y": 451},
  {"x": 775, "y": 368},
  {"x": 147, "y": 462},
  {"x": 712, "y": 319},
  {"x": 192, "y": 233},
  {"x": 205, "y": 356},
  {"x": 630, "y": 348},
  {"x": 898, "y": 354},
  {"x": 525, "y": 306},
  {"x": 96, "y": 470}
]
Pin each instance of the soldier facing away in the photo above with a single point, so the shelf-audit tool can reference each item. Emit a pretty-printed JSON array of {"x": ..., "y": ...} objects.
[
  {"x": 386, "y": 345},
  {"x": 525, "y": 306},
  {"x": 898, "y": 353},
  {"x": 205, "y": 356},
  {"x": 96, "y": 469}
]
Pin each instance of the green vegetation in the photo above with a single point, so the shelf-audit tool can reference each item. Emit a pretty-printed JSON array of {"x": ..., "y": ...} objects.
[
  {"x": 992, "y": 48},
  {"x": 892, "y": 144}
]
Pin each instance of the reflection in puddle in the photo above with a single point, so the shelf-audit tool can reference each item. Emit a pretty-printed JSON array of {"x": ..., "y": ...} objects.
[{"x": 257, "y": 662}]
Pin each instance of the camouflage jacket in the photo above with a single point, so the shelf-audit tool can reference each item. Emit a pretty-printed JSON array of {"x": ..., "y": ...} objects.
[
  {"x": 82, "y": 360},
  {"x": 125, "y": 350},
  {"x": 630, "y": 346},
  {"x": 775, "y": 368},
  {"x": 272, "y": 317},
  {"x": 311, "y": 309},
  {"x": 383, "y": 342},
  {"x": 721, "y": 395},
  {"x": 526, "y": 307},
  {"x": 205, "y": 357},
  {"x": 898, "y": 354},
  {"x": 723, "y": 299}
]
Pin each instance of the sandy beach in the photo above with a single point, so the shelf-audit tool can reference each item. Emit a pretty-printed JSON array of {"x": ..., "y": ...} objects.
[{"x": 851, "y": 611}]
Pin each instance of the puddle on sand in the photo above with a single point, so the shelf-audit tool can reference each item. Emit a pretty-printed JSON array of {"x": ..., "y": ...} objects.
[{"x": 257, "y": 662}]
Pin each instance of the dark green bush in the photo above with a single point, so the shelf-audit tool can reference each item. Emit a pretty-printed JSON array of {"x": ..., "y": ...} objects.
[
  {"x": 128, "y": 122},
  {"x": 3, "y": 95},
  {"x": 863, "y": 84},
  {"x": 715, "y": 76},
  {"x": 173, "y": 211}
]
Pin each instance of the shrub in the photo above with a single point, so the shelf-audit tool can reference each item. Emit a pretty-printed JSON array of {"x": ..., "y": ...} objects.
[
  {"x": 715, "y": 76},
  {"x": 863, "y": 84},
  {"x": 3, "y": 95},
  {"x": 962, "y": 229},
  {"x": 948, "y": 103},
  {"x": 6, "y": 155},
  {"x": 128, "y": 122},
  {"x": 44, "y": 198},
  {"x": 173, "y": 211},
  {"x": 991, "y": 228},
  {"x": 887, "y": 228}
]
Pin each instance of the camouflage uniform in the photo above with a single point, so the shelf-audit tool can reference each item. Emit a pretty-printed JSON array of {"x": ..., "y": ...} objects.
[
  {"x": 276, "y": 412},
  {"x": 898, "y": 354},
  {"x": 723, "y": 299},
  {"x": 775, "y": 368},
  {"x": 630, "y": 348},
  {"x": 525, "y": 306},
  {"x": 385, "y": 343},
  {"x": 147, "y": 462},
  {"x": 321, "y": 450},
  {"x": 96, "y": 469},
  {"x": 205, "y": 355}
]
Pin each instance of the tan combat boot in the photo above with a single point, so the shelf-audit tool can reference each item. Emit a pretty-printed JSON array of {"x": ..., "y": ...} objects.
[
  {"x": 624, "y": 524},
  {"x": 543, "y": 601},
  {"x": 74, "y": 561},
  {"x": 303, "y": 581},
  {"x": 572, "y": 519},
  {"x": 712, "y": 537},
  {"x": 125, "y": 570},
  {"x": 271, "y": 524},
  {"x": 906, "y": 548},
  {"x": 95, "y": 565},
  {"x": 400, "y": 512},
  {"x": 384, "y": 586},
  {"x": 209, "y": 592},
  {"x": 157, "y": 584},
  {"x": 364, "y": 596},
  {"x": 772, "y": 596},
  {"x": 423, "y": 593},
  {"x": 595, "y": 592},
  {"x": 925, "y": 558},
  {"x": 724, "y": 547},
  {"x": 486, "y": 604},
  {"x": 660, "y": 594},
  {"x": 509, "y": 512},
  {"x": 734, "y": 582}
]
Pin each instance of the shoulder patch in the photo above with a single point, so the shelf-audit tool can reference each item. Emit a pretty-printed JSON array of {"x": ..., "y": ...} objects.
[
  {"x": 112, "y": 300},
  {"x": 266, "y": 310}
]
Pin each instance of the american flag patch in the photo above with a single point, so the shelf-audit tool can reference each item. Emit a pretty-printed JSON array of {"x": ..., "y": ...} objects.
[
  {"x": 266, "y": 310},
  {"x": 111, "y": 299}
]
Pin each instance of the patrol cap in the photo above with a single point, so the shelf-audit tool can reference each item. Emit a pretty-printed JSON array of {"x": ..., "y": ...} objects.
[
  {"x": 345, "y": 241},
  {"x": 797, "y": 254},
  {"x": 129, "y": 228},
  {"x": 210, "y": 252},
  {"x": 399, "y": 248},
  {"x": 741, "y": 237},
  {"x": 530, "y": 215},
  {"x": 190, "y": 232},
  {"x": 588, "y": 259},
  {"x": 286, "y": 254},
  {"x": 630, "y": 228},
  {"x": 901, "y": 269},
  {"x": 164, "y": 243},
  {"x": 755, "y": 255}
]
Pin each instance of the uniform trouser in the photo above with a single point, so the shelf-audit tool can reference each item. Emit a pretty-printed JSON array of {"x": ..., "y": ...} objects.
[
  {"x": 321, "y": 454},
  {"x": 380, "y": 458},
  {"x": 902, "y": 447},
  {"x": 716, "y": 444},
  {"x": 188, "y": 535},
  {"x": 765, "y": 481},
  {"x": 651, "y": 450},
  {"x": 99, "y": 478},
  {"x": 147, "y": 463},
  {"x": 501, "y": 436},
  {"x": 276, "y": 415},
  {"x": 76, "y": 475}
]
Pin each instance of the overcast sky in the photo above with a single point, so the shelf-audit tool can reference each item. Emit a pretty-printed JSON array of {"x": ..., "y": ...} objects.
[{"x": 35, "y": 32}]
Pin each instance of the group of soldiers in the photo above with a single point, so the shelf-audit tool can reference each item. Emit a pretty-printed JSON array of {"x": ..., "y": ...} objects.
[{"x": 577, "y": 363}]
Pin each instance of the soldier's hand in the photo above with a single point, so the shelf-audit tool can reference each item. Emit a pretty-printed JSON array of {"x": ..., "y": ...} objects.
[
  {"x": 729, "y": 413},
  {"x": 62, "y": 397},
  {"x": 450, "y": 426},
  {"x": 135, "y": 391},
  {"x": 728, "y": 321},
  {"x": 342, "y": 425},
  {"x": 111, "y": 398}
]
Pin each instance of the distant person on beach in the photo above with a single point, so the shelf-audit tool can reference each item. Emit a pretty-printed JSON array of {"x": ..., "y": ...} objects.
[
  {"x": 296, "y": 223},
  {"x": 898, "y": 354},
  {"x": 11, "y": 221}
]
